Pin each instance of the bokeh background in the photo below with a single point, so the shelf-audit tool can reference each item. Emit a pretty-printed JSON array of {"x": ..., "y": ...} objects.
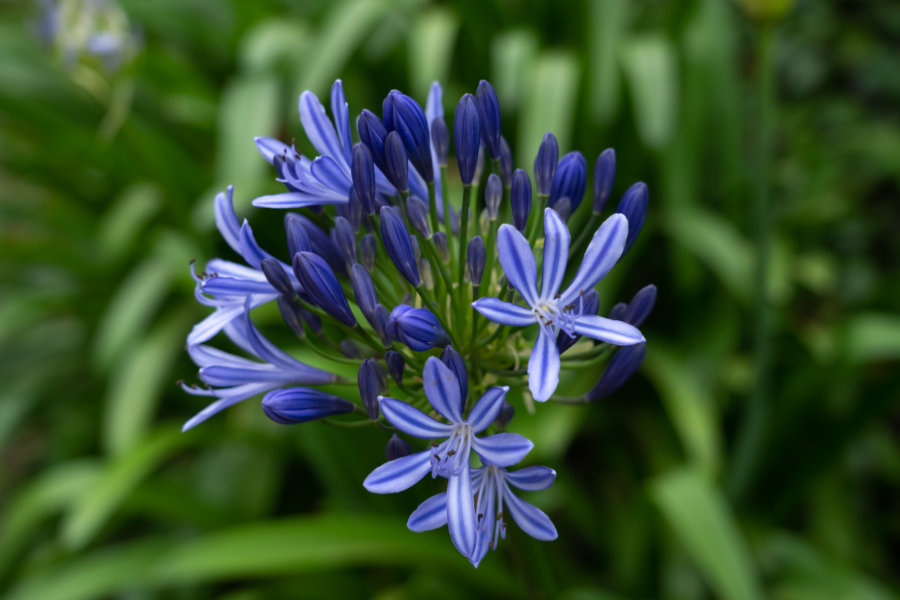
[{"x": 754, "y": 455}]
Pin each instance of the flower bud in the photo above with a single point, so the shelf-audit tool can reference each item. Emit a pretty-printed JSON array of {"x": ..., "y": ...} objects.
[
  {"x": 344, "y": 239},
  {"x": 493, "y": 194},
  {"x": 299, "y": 405},
  {"x": 398, "y": 244},
  {"x": 507, "y": 412},
  {"x": 564, "y": 208},
  {"x": 440, "y": 139},
  {"x": 295, "y": 232},
  {"x": 634, "y": 206},
  {"x": 545, "y": 164},
  {"x": 506, "y": 162},
  {"x": 604, "y": 177},
  {"x": 454, "y": 361},
  {"x": 520, "y": 199},
  {"x": 466, "y": 137},
  {"x": 417, "y": 211},
  {"x": 624, "y": 363},
  {"x": 364, "y": 291},
  {"x": 636, "y": 311},
  {"x": 322, "y": 286},
  {"x": 570, "y": 180},
  {"x": 372, "y": 381},
  {"x": 404, "y": 115},
  {"x": 442, "y": 245},
  {"x": 319, "y": 243},
  {"x": 363, "y": 175},
  {"x": 350, "y": 349},
  {"x": 418, "y": 328},
  {"x": 278, "y": 279},
  {"x": 367, "y": 249},
  {"x": 372, "y": 133},
  {"x": 396, "y": 162},
  {"x": 397, "y": 448},
  {"x": 395, "y": 365},
  {"x": 489, "y": 114},
  {"x": 380, "y": 325},
  {"x": 475, "y": 259}
]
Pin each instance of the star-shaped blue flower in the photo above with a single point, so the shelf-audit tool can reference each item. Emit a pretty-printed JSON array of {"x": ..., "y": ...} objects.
[
  {"x": 553, "y": 311},
  {"x": 450, "y": 458}
]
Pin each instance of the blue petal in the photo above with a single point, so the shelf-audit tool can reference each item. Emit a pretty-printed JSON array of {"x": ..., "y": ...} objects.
[
  {"x": 442, "y": 389},
  {"x": 530, "y": 519},
  {"x": 556, "y": 254},
  {"x": 611, "y": 331},
  {"x": 502, "y": 449},
  {"x": 543, "y": 366},
  {"x": 411, "y": 420},
  {"x": 250, "y": 250},
  {"x": 341, "y": 115},
  {"x": 487, "y": 408},
  {"x": 504, "y": 312},
  {"x": 319, "y": 128},
  {"x": 602, "y": 253},
  {"x": 223, "y": 403},
  {"x": 531, "y": 478},
  {"x": 270, "y": 148},
  {"x": 299, "y": 199},
  {"x": 399, "y": 474},
  {"x": 228, "y": 286},
  {"x": 226, "y": 219},
  {"x": 461, "y": 512},
  {"x": 518, "y": 262},
  {"x": 429, "y": 515},
  {"x": 327, "y": 171}
]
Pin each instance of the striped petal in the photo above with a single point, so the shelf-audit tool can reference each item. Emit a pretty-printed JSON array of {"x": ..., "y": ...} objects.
[
  {"x": 487, "y": 408},
  {"x": 461, "y": 512},
  {"x": 341, "y": 114},
  {"x": 504, "y": 312},
  {"x": 531, "y": 478},
  {"x": 543, "y": 366},
  {"x": 429, "y": 515},
  {"x": 502, "y": 449},
  {"x": 442, "y": 390},
  {"x": 411, "y": 420},
  {"x": 518, "y": 263},
  {"x": 399, "y": 474},
  {"x": 556, "y": 254},
  {"x": 602, "y": 253},
  {"x": 530, "y": 519},
  {"x": 299, "y": 200},
  {"x": 611, "y": 331},
  {"x": 318, "y": 127}
]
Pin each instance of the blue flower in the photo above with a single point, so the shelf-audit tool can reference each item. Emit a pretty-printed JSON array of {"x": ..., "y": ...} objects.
[
  {"x": 552, "y": 311},
  {"x": 234, "y": 378},
  {"x": 490, "y": 485},
  {"x": 450, "y": 458}
]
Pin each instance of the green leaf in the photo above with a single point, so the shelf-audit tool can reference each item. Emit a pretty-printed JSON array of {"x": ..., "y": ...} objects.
[
  {"x": 121, "y": 225},
  {"x": 137, "y": 383},
  {"x": 91, "y": 510},
  {"x": 871, "y": 337},
  {"x": 512, "y": 54},
  {"x": 550, "y": 93},
  {"x": 703, "y": 523},
  {"x": 608, "y": 25},
  {"x": 689, "y": 403},
  {"x": 431, "y": 40},
  {"x": 651, "y": 68}
]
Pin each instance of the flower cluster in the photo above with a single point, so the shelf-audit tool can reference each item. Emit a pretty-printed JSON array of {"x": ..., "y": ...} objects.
[{"x": 387, "y": 272}]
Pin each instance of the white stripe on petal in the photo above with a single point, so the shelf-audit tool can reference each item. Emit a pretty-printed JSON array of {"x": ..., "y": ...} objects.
[
  {"x": 615, "y": 332},
  {"x": 517, "y": 261},
  {"x": 461, "y": 512},
  {"x": 530, "y": 519},
  {"x": 413, "y": 421},
  {"x": 556, "y": 254},
  {"x": 399, "y": 474},
  {"x": 543, "y": 366},
  {"x": 487, "y": 408},
  {"x": 531, "y": 478},
  {"x": 504, "y": 312},
  {"x": 601, "y": 255},
  {"x": 502, "y": 449},
  {"x": 429, "y": 515}
]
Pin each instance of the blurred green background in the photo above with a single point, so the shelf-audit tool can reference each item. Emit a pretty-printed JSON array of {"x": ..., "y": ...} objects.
[{"x": 755, "y": 455}]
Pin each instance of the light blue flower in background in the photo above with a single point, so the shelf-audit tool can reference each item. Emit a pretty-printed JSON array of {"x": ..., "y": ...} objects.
[{"x": 552, "y": 311}]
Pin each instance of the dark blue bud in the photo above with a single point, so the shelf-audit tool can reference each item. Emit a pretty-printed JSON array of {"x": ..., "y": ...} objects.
[
  {"x": 295, "y": 231},
  {"x": 418, "y": 328},
  {"x": 475, "y": 259},
  {"x": 396, "y": 448},
  {"x": 363, "y": 174},
  {"x": 520, "y": 199},
  {"x": 276, "y": 276},
  {"x": 290, "y": 312},
  {"x": 493, "y": 193},
  {"x": 372, "y": 133},
  {"x": 380, "y": 325},
  {"x": 440, "y": 139},
  {"x": 311, "y": 319},
  {"x": 367, "y": 250},
  {"x": 507, "y": 412},
  {"x": 637, "y": 311},
  {"x": 466, "y": 137},
  {"x": 350, "y": 349},
  {"x": 570, "y": 180},
  {"x": 320, "y": 243},
  {"x": 604, "y": 177},
  {"x": 396, "y": 162},
  {"x": 564, "y": 208},
  {"x": 372, "y": 381},
  {"x": 299, "y": 405},
  {"x": 442, "y": 245},
  {"x": 587, "y": 304},
  {"x": 364, "y": 291},
  {"x": 395, "y": 365},
  {"x": 408, "y": 119},
  {"x": 417, "y": 211},
  {"x": 344, "y": 239},
  {"x": 322, "y": 286},
  {"x": 455, "y": 363},
  {"x": 489, "y": 113},
  {"x": 624, "y": 363},
  {"x": 634, "y": 206},
  {"x": 398, "y": 245},
  {"x": 506, "y": 162},
  {"x": 545, "y": 164}
]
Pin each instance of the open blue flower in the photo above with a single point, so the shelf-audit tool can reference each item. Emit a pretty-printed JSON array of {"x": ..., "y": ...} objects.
[
  {"x": 490, "y": 485},
  {"x": 234, "y": 378},
  {"x": 450, "y": 458},
  {"x": 553, "y": 311}
]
